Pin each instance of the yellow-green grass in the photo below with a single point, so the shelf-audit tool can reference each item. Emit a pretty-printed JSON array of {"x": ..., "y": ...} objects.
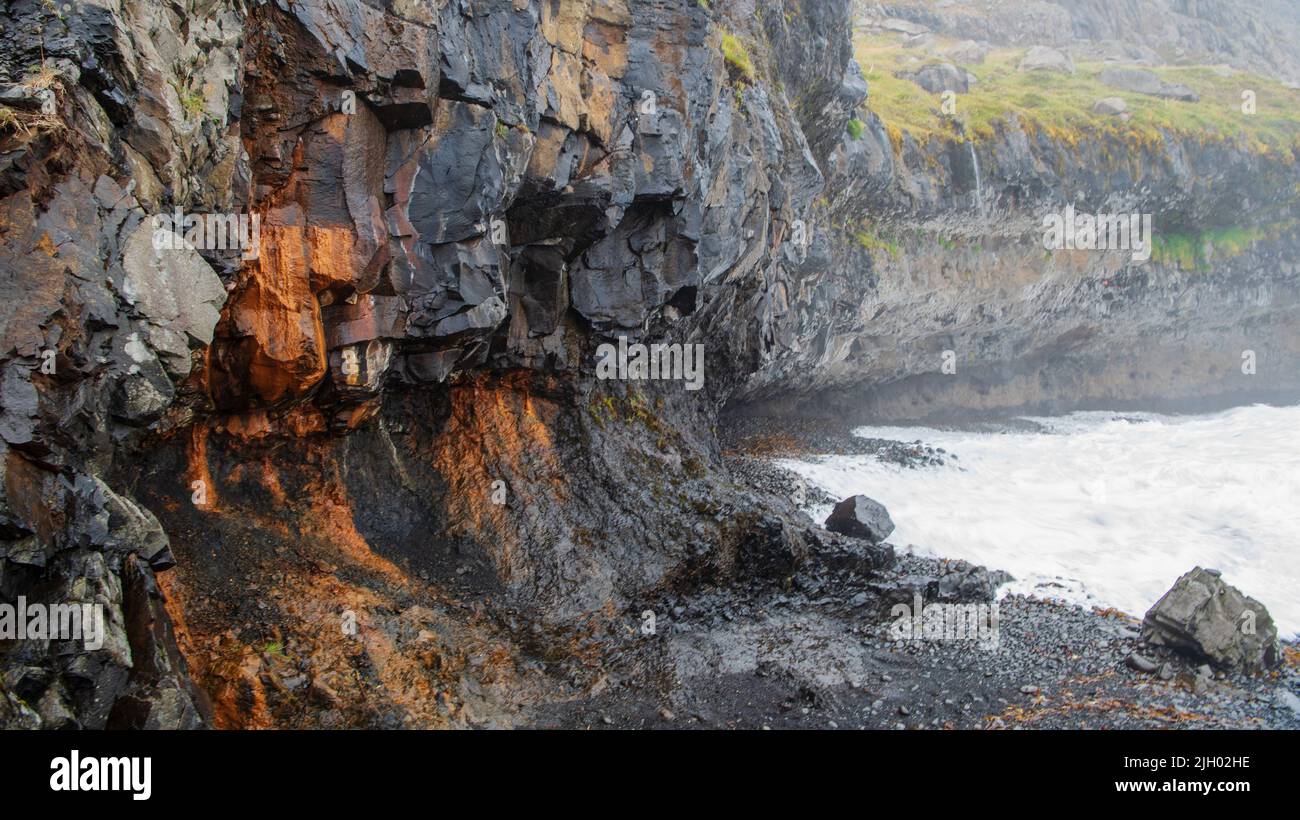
[
  {"x": 869, "y": 240},
  {"x": 1193, "y": 252},
  {"x": 737, "y": 56},
  {"x": 1062, "y": 104}
]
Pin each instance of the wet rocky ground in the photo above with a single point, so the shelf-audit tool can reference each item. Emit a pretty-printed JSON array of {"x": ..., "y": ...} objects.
[
  {"x": 809, "y": 647},
  {"x": 760, "y": 437},
  {"x": 817, "y": 652}
]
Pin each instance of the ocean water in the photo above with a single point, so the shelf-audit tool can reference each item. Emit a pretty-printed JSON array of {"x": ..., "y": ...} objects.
[{"x": 1102, "y": 509}]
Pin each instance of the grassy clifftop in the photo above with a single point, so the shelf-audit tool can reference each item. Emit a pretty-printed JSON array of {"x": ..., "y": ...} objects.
[{"x": 1062, "y": 104}]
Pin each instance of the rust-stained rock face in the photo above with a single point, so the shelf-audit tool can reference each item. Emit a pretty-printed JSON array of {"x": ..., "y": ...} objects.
[
  {"x": 448, "y": 207},
  {"x": 102, "y": 325},
  {"x": 369, "y": 434},
  {"x": 422, "y": 199},
  {"x": 271, "y": 346}
]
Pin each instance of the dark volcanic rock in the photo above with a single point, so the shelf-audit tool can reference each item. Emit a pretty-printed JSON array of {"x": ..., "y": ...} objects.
[
  {"x": 461, "y": 201},
  {"x": 956, "y": 582},
  {"x": 457, "y": 201},
  {"x": 861, "y": 517},
  {"x": 965, "y": 583},
  {"x": 1212, "y": 621}
]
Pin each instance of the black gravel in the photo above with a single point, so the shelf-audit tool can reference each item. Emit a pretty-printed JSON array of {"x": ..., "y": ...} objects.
[{"x": 817, "y": 653}]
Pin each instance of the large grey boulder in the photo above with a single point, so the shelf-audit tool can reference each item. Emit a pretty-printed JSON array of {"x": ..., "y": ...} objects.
[
  {"x": 1141, "y": 81},
  {"x": 966, "y": 52},
  {"x": 1043, "y": 58},
  {"x": 1110, "y": 106},
  {"x": 1120, "y": 53},
  {"x": 175, "y": 290},
  {"x": 1214, "y": 622},
  {"x": 957, "y": 583},
  {"x": 940, "y": 77},
  {"x": 861, "y": 517},
  {"x": 126, "y": 525},
  {"x": 901, "y": 26},
  {"x": 172, "y": 288}
]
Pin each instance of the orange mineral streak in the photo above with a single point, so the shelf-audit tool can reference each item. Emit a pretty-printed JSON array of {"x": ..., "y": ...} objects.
[
  {"x": 248, "y": 679},
  {"x": 351, "y": 418},
  {"x": 278, "y": 312},
  {"x": 331, "y": 248},
  {"x": 242, "y": 679},
  {"x": 401, "y": 673},
  {"x": 299, "y": 421},
  {"x": 498, "y": 432},
  {"x": 415, "y": 658},
  {"x": 174, "y": 593},
  {"x": 326, "y": 516},
  {"x": 34, "y": 495},
  {"x": 230, "y": 673},
  {"x": 333, "y": 523},
  {"x": 197, "y": 474}
]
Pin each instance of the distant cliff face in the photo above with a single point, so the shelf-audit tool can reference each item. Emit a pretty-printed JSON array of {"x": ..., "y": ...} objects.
[
  {"x": 943, "y": 308},
  {"x": 941, "y": 298},
  {"x": 1252, "y": 35}
]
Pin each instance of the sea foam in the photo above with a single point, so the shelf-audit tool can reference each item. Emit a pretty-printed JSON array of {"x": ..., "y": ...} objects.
[{"x": 1102, "y": 509}]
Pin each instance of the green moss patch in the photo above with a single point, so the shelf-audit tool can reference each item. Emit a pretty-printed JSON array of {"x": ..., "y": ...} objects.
[{"x": 1062, "y": 104}]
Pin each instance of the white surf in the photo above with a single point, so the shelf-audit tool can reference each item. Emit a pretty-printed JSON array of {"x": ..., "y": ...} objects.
[{"x": 1101, "y": 509}]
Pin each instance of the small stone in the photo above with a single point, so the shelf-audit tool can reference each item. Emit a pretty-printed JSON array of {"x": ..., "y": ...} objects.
[
  {"x": 1140, "y": 663},
  {"x": 1284, "y": 697}
]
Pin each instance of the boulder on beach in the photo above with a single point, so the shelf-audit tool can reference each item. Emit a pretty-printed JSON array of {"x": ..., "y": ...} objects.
[
  {"x": 861, "y": 517},
  {"x": 900, "y": 26},
  {"x": 1204, "y": 617}
]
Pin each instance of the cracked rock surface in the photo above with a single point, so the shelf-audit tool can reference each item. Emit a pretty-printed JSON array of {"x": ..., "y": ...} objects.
[{"x": 354, "y": 467}]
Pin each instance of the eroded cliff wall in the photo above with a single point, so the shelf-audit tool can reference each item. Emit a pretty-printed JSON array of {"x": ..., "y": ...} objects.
[
  {"x": 393, "y": 393},
  {"x": 941, "y": 298},
  {"x": 360, "y": 470}
]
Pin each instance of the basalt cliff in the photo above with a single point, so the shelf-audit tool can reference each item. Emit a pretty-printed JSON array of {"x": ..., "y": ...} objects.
[{"x": 354, "y": 466}]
